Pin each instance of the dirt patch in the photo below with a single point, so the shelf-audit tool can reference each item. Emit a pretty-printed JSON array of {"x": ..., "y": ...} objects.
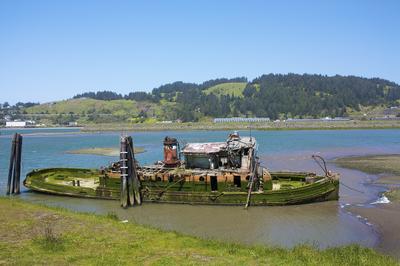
[{"x": 386, "y": 218}]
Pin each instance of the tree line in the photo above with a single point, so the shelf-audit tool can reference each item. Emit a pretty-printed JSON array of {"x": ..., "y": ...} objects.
[{"x": 272, "y": 95}]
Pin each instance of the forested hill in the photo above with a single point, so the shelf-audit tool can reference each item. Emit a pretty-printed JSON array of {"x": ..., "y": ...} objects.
[{"x": 273, "y": 95}]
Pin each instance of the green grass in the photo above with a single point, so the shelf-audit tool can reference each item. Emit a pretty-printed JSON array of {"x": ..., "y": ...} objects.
[
  {"x": 230, "y": 88},
  {"x": 86, "y": 106},
  {"x": 34, "y": 234},
  {"x": 87, "y": 111},
  {"x": 369, "y": 111},
  {"x": 393, "y": 195}
]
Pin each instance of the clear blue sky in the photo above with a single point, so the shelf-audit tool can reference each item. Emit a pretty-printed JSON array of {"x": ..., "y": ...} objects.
[{"x": 51, "y": 50}]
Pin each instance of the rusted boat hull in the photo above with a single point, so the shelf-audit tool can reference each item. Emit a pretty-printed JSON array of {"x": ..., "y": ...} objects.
[
  {"x": 314, "y": 193},
  {"x": 58, "y": 181}
]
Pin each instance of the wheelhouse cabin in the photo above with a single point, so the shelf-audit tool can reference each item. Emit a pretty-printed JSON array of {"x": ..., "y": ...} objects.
[{"x": 234, "y": 154}]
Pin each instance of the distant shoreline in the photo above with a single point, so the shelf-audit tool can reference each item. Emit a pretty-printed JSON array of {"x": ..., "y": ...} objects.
[
  {"x": 313, "y": 125},
  {"x": 337, "y": 125}
]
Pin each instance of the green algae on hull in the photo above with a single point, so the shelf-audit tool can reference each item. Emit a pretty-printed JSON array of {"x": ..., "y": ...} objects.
[{"x": 94, "y": 184}]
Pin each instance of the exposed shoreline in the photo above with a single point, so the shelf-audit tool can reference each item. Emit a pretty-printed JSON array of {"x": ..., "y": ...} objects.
[
  {"x": 320, "y": 125},
  {"x": 384, "y": 216},
  {"x": 353, "y": 124},
  {"x": 109, "y": 151},
  {"x": 309, "y": 125}
]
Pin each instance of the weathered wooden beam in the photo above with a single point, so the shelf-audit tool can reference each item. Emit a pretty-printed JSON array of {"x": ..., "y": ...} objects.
[
  {"x": 18, "y": 155},
  {"x": 131, "y": 195},
  {"x": 135, "y": 182},
  {"x": 10, "y": 182},
  {"x": 124, "y": 172},
  {"x": 253, "y": 173}
]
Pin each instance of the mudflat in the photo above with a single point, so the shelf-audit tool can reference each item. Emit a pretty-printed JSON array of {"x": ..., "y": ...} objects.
[
  {"x": 374, "y": 164},
  {"x": 385, "y": 217},
  {"x": 112, "y": 151}
]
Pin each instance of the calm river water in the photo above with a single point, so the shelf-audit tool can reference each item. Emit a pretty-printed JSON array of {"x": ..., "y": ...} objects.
[{"x": 322, "y": 224}]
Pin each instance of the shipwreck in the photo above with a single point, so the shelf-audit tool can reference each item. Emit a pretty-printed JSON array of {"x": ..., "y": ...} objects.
[{"x": 218, "y": 173}]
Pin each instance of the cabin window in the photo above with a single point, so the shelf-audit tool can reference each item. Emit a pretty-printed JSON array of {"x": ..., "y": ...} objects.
[
  {"x": 236, "y": 161},
  {"x": 197, "y": 161},
  {"x": 201, "y": 178},
  {"x": 223, "y": 161},
  {"x": 202, "y": 161},
  {"x": 214, "y": 183},
  {"x": 236, "y": 181}
]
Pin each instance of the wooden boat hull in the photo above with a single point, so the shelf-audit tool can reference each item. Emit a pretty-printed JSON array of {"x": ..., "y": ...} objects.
[{"x": 45, "y": 180}]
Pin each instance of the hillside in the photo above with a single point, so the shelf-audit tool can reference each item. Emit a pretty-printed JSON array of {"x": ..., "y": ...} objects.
[
  {"x": 90, "y": 110},
  {"x": 274, "y": 95},
  {"x": 85, "y": 106},
  {"x": 230, "y": 88}
]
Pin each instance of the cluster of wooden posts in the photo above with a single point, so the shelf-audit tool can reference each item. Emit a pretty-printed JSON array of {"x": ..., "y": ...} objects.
[
  {"x": 130, "y": 183},
  {"x": 14, "y": 171}
]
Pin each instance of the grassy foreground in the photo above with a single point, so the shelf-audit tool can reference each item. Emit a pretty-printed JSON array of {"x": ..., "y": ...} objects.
[{"x": 34, "y": 234}]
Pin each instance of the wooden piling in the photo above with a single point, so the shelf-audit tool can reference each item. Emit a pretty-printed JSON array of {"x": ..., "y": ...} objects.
[
  {"x": 18, "y": 149},
  {"x": 14, "y": 170},
  {"x": 131, "y": 193},
  {"x": 130, "y": 183},
  {"x": 10, "y": 181},
  {"x": 124, "y": 173},
  {"x": 134, "y": 176}
]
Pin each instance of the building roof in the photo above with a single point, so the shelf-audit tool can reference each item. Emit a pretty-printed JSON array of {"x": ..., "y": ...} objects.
[
  {"x": 241, "y": 143},
  {"x": 204, "y": 148}
]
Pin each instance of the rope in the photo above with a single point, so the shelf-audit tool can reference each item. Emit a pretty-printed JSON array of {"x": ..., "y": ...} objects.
[{"x": 356, "y": 190}]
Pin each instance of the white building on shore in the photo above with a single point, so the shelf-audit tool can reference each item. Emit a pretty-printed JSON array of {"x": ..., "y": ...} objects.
[
  {"x": 20, "y": 123},
  {"x": 241, "y": 119}
]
